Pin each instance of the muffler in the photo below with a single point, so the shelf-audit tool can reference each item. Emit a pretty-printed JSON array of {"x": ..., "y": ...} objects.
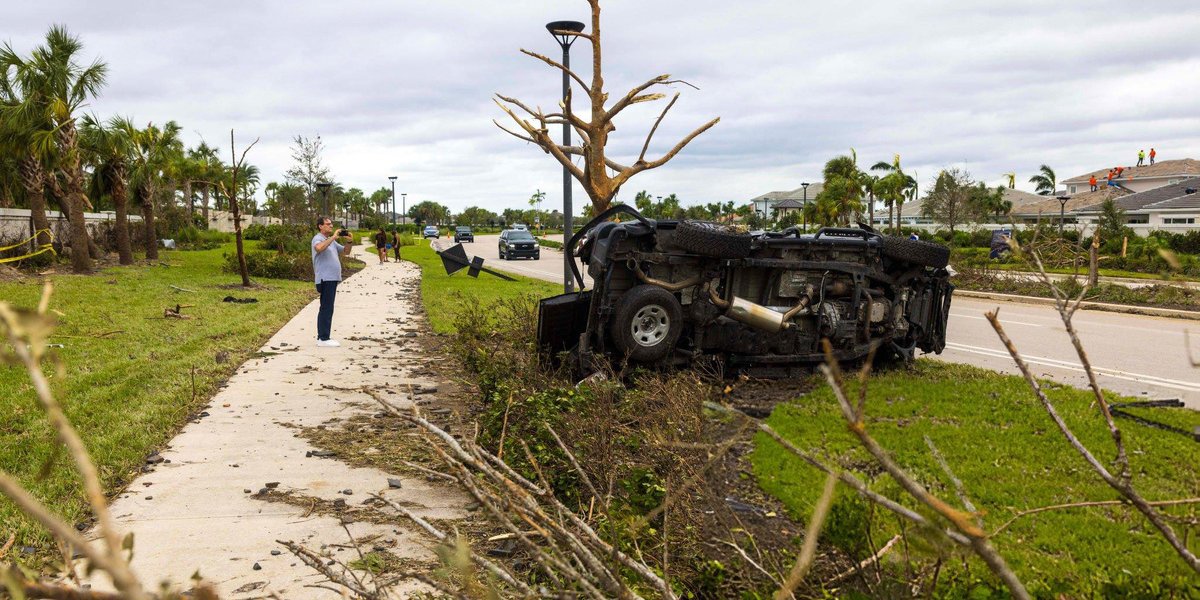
[{"x": 757, "y": 315}]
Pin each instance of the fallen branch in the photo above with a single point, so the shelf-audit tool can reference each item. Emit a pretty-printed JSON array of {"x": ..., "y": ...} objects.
[
  {"x": 1040, "y": 509},
  {"x": 870, "y": 560},
  {"x": 1121, "y": 485},
  {"x": 26, "y": 335},
  {"x": 809, "y": 549},
  {"x": 960, "y": 520}
]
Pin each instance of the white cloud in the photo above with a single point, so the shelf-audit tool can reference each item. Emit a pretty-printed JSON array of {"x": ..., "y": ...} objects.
[{"x": 405, "y": 88}]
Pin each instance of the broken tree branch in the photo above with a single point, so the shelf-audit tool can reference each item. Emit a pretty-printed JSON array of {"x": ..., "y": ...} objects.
[
  {"x": 557, "y": 65},
  {"x": 27, "y": 347},
  {"x": 650, "y": 136},
  {"x": 1122, "y": 486}
]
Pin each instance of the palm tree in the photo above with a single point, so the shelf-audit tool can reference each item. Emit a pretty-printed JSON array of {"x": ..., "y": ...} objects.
[
  {"x": 24, "y": 143},
  {"x": 1012, "y": 180},
  {"x": 841, "y": 192},
  {"x": 994, "y": 202},
  {"x": 1046, "y": 181},
  {"x": 110, "y": 148},
  {"x": 156, "y": 149},
  {"x": 868, "y": 182},
  {"x": 208, "y": 166},
  {"x": 248, "y": 179},
  {"x": 54, "y": 85},
  {"x": 895, "y": 187}
]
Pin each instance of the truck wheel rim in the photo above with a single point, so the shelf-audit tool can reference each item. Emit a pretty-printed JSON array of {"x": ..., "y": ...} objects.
[{"x": 650, "y": 325}]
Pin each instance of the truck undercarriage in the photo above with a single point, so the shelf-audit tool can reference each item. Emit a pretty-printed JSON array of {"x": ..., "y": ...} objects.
[{"x": 672, "y": 293}]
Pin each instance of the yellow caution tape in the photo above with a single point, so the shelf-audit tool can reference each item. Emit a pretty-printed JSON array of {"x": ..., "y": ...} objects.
[
  {"x": 41, "y": 249},
  {"x": 29, "y": 239}
]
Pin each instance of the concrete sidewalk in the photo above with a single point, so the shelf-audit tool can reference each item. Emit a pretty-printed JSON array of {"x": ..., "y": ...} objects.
[{"x": 200, "y": 508}]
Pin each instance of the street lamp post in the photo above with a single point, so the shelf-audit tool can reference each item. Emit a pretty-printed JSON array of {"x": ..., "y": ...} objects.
[
  {"x": 804, "y": 209},
  {"x": 561, "y": 31},
  {"x": 1062, "y": 213},
  {"x": 393, "y": 179},
  {"x": 324, "y": 187},
  {"x": 403, "y": 210}
]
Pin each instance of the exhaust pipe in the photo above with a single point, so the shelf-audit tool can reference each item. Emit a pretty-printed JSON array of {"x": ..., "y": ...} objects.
[{"x": 757, "y": 315}]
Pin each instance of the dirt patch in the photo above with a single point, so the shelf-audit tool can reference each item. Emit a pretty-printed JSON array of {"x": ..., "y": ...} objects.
[{"x": 11, "y": 274}]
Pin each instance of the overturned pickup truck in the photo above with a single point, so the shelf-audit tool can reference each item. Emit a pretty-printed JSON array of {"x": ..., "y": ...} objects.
[{"x": 675, "y": 292}]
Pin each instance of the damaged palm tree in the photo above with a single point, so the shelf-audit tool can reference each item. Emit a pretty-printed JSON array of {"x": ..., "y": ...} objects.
[{"x": 601, "y": 176}]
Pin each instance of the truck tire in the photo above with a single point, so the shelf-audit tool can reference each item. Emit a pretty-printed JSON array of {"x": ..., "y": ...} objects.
[
  {"x": 712, "y": 239},
  {"x": 917, "y": 252},
  {"x": 647, "y": 323}
]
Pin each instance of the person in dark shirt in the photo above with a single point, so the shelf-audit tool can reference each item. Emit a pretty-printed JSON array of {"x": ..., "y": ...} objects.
[
  {"x": 381, "y": 245},
  {"x": 396, "y": 245}
]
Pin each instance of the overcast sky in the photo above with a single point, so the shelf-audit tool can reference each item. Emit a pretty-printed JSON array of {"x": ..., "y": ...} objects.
[{"x": 405, "y": 88}]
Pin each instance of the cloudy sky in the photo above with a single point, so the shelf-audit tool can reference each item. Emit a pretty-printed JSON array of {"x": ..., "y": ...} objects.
[{"x": 405, "y": 88}]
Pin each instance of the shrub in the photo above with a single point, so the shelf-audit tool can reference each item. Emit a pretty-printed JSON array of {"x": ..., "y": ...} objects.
[
  {"x": 285, "y": 238},
  {"x": 254, "y": 231},
  {"x": 191, "y": 238},
  {"x": 273, "y": 265}
]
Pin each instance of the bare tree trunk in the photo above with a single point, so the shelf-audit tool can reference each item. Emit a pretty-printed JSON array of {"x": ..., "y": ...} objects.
[
  {"x": 191, "y": 202},
  {"x": 75, "y": 200},
  {"x": 121, "y": 200},
  {"x": 33, "y": 177},
  {"x": 1094, "y": 260},
  {"x": 204, "y": 199},
  {"x": 233, "y": 207},
  {"x": 146, "y": 196}
]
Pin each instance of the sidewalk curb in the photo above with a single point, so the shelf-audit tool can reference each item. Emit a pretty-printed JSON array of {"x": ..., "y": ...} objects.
[
  {"x": 1110, "y": 279},
  {"x": 1170, "y": 313}
]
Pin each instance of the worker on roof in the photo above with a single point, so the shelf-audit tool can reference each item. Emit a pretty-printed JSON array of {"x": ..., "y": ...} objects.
[
  {"x": 1152, "y": 155},
  {"x": 1141, "y": 157},
  {"x": 1092, "y": 182}
]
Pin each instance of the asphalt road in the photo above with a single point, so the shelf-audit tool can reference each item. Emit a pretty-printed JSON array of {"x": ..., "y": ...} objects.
[{"x": 1132, "y": 354}]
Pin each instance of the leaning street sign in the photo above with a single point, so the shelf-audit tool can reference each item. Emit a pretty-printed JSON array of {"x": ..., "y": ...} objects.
[{"x": 455, "y": 259}]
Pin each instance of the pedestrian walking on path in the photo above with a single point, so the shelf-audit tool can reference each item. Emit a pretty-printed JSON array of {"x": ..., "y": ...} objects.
[
  {"x": 327, "y": 271},
  {"x": 381, "y": 245},
  {"x": 1141, "y": 157},
  {"x": 1152, "y": 155},
  {"x": 396, "y": 245}
]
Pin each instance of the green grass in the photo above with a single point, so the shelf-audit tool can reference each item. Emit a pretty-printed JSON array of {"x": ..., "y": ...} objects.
[
  {"x": 444, "y": 295},
  {"x": 129, "y": 392},
  {"x": 1000, "y": 442},
  {"x": 1103, "y": 272}
]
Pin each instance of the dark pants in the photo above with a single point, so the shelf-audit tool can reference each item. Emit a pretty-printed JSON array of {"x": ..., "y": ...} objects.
[
  {"x": 396, "y": 250},
  {"x": 328, "y": 291}
]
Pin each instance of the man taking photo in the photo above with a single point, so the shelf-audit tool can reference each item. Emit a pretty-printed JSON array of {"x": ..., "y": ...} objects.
[{"x": 327, "y": 270}]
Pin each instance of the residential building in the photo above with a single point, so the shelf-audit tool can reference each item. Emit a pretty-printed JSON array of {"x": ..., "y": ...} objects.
[
  {"x": 1174, "y": 207},
  {"x": 1047, "y": 209},
  {"x": 767, "y": 204},
  {"x": 1138, "y": 179}
]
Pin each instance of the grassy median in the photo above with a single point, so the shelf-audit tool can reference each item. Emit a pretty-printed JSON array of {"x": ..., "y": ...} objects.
[
  {"x": 130, "y": 377},
  {"x": 1010, "y": 457},
  {"x": 997, "y": 439},
  {"x": 444, "y": 295}
]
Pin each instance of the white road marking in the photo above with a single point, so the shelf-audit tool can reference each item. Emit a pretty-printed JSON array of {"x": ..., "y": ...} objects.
[
  {"x": 1002, "y": 320},
  {"x": 1176, "y": 384}
]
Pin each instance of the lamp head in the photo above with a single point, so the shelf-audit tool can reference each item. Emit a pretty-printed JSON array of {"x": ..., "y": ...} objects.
[{"x": 557, "y": 27}]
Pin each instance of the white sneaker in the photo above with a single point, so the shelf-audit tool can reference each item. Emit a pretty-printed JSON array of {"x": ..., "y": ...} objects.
[{"x": 328, "y": 343}]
